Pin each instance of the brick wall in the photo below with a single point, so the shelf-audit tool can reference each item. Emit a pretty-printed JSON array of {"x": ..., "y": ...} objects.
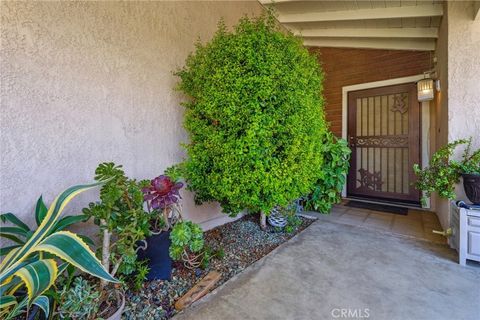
[{"x": 345, "y": 66}]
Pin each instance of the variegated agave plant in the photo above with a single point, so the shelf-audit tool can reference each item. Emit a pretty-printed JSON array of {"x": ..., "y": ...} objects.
[{"x": 39, "y": 256}]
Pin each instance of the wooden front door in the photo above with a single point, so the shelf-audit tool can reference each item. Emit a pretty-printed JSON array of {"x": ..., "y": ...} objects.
[{"x": 383, "y": 133}]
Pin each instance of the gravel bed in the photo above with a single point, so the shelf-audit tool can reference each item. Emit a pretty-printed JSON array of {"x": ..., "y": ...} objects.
[{"x": 242, "y": 241}]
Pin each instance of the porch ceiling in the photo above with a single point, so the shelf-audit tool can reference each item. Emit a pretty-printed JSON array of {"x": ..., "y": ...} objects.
[{"x": 401, "y": 25}]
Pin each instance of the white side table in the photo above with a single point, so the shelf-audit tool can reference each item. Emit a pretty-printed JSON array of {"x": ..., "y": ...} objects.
[{"x": 465, "y": 237}]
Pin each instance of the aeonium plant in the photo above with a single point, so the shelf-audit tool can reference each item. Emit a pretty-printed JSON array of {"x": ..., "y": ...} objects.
[{"x": 162, "y": 196}]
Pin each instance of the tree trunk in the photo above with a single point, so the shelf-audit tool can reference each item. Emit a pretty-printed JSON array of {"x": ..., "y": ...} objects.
[
  {"x": 263, "y": 221},
  {"x": 105, "y": 251}
]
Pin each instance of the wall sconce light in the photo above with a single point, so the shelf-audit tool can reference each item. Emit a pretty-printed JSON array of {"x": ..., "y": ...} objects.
[{"x": 425, "y": 89}]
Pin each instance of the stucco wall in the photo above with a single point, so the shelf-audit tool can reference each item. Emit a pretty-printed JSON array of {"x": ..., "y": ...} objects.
[
  {"x": 463, "y": 72},
  {"x": 83, "y": 83},
  {"x": 440, "y": 120},
  {"x": 458, "y": 110}
]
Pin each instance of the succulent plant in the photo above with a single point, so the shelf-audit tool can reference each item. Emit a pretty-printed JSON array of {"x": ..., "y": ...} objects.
[
  {"x": 187, "y": 244},
  {"x": 162, "y": 192}
]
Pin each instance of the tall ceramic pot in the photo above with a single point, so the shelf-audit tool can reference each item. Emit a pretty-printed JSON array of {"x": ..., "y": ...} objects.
[
  {"x": 471, "y": 184},
  {"x": 157, "y": 254}
]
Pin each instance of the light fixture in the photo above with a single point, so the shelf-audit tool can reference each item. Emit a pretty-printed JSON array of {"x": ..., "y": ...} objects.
[{"x": 425, "y": 89}]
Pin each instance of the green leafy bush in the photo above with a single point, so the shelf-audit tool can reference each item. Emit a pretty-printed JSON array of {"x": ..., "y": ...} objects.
[
  {"x": 255, "y": 118},
  {"x": 332, "y": 179},
  {"x": 443, "y": 173}
]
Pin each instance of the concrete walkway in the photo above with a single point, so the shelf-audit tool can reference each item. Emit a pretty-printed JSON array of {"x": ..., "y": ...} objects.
[{"x": 338, "y": 271}]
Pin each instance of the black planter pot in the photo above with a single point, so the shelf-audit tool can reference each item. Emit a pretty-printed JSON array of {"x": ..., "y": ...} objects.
[
  {"x": 35, "y": 313},
  {"x": 471, "y": 184},
  {"x": 158, "y": 256}
]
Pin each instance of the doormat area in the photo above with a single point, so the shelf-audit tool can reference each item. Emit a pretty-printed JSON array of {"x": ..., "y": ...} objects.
[{"x": 377, "y": 207}]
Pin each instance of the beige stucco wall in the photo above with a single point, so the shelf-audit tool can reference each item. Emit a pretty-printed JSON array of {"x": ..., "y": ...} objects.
[
  {"x": 458, "y": 104},
  {"x": 83, "y": 83},
  {"x": 439, "y": 136}
]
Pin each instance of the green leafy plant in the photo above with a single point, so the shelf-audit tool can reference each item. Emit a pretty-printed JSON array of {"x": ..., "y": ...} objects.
[
  {"x": 140, "y": 275},
  {"x": 293, "y": 222},
  {"x": 443, "y": 172},
  {"x": 81, "y": 301},
  {"x": 255, "y": 118},
  {"x": 208, "y": 254},
  {"x": 187, "y": 244},
  {"x": 332, "y": 178},
  {"x": 119, "y": 214},
  {"x": 42, "y": 255}
]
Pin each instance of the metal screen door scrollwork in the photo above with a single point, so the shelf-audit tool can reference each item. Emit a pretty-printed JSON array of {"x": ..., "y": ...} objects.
[{"x": 383, "y": 133}]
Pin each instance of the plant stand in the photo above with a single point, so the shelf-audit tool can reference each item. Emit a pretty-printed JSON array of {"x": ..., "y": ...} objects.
[{"x": 465, "y": 226}]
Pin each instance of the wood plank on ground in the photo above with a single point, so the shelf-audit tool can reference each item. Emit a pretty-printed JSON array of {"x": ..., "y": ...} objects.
[{"x": 199, "y": 290}]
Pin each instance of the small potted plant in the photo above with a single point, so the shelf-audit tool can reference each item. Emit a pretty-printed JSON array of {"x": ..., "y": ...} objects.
[
  {"x": 443, "y": 172},
  {"x": 286, "y": 218},
  {"x": 162, "y": 198}
]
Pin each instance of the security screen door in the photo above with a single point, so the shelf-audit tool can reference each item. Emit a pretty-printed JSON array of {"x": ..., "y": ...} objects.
[{"x": 383, "y": 133}]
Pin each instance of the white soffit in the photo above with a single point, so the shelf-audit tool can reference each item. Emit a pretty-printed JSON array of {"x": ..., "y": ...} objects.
[{"x": 398, "y": 25}]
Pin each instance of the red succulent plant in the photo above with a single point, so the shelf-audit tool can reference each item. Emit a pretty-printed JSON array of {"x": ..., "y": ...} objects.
[{"x": 162, "y": 192}]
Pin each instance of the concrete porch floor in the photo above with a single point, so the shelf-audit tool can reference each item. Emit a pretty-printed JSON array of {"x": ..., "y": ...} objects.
[
  {"x": 335, "y": 268},
  {"x": 417, "y": 223}
]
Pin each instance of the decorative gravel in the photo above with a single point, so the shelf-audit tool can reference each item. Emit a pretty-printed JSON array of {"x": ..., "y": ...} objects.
[{"x": 243, "y": 243}]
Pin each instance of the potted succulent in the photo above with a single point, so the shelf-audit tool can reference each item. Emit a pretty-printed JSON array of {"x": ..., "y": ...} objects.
[
  {"x": 122, "y": 222},
  {"x": 443, "y": 172},
  {"x": 163, "y": 203}
]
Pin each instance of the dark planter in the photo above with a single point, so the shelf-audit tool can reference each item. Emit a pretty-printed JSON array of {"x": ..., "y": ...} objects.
[
  {"x": 158, "y": 256},
  {"x": 471, "y": 184},
  {"x": 35, "y": 313}
]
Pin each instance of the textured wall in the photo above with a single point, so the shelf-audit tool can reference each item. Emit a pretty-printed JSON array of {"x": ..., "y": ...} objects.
[
  {"x": 440, "y": 118},
  {"x": 463, "y": 72},
  {"x": 458, "y": 110},
  {"x": 347, "y": 66},
  {"x": 83, "y": 83}
]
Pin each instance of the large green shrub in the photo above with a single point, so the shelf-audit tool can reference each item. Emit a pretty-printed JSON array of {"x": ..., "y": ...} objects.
[{"x": 255, "y": 117}]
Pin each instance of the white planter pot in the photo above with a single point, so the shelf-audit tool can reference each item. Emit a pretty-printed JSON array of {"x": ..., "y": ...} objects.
[{"x": 118, "y": 314}]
